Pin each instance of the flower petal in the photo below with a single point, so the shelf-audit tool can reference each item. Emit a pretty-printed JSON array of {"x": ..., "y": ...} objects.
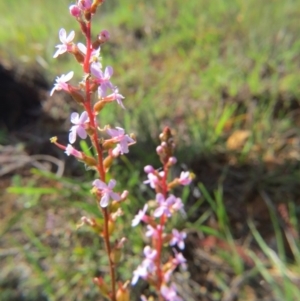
[
  {"x": 96, "y": 70},
  {"x": 74, "y": 117},
  {"x": 99, "y": 184},
  {"x": 70, "y": 37},
  {"x": 115, "y": 196},
  {"x": 82, "y": 48},
  {"x": 81, "y": 132},
  {"x": 108, "y": 72},
  {"x": 62, "y": 35},
  {"x": 68, "y": 76},
  {"x": 158, "y": 212},
  {"x": 72, "y": 135},
  {"x": 104, "y": 200},
  {"x": 113, "y": 133},
  {"x": 84, "y": 117},
  {"x": 112, "y": 183}
]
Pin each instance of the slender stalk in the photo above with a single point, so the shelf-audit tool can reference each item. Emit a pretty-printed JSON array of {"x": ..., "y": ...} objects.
[
  {"x": 108, "y": 249},
  {"x": 99, "y": 151},
  {"x": 159, "y": 242}
]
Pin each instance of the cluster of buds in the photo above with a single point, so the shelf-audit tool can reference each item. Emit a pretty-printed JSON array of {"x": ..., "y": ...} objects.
[
  {"x": 93, "y": 93},
  {"x": 152, "y": 269}
]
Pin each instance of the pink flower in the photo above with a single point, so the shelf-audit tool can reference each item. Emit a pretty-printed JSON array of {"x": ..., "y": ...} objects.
[
  {"x": 140, "y": 216},
  {"x": 164, "y": 206},
  {"x": 61, "y": 82},
  {"x": 118, "y": 135},
  {"x": 79, "y": 127},
  {"x": 179, "y": 260},
  {"x": 116, "y": 96},
  {"x": 170, "y": 293},
  {"x": 178, "y": 239},
  {"x": 185, "y": 178},
  {"x": 151, "y": 231},
  {"x": 177, "y": 205},
  {"x": 149, "y": 261},
  {"x": 153, "y": 180},
  {"x": 103, "y": 79},
  {"x": 141, "y": 271},
  {"x": 106, "y": 191},
  {"x": 150, "y": 253},
  {"x": 168, "y": 206},
  {"x": 70, "y": 150},
  {"x": 95, "y": 52},
  {"x": 167, "y": 274},
  {"x": 66, "y": 42},
  {"x": 147, "y": 266}
]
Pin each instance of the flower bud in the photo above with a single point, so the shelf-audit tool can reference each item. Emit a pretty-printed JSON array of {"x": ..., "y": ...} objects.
[
  {"x": 78, "y": 55},
  {"x": 101, "y": 38},
  {"x": 108, "y": 161},
  {"x": 108, "y": 144},
  {"x": 116, "y": 255},
  {"x": 172, "y": 161},
  {"x": 96, "y": 225},
  {"x": 116, "y": 214},
  {"x": 159, "y": 150},
  {"x": 95, "y": 4},
  {"x": 76, "y": 95},
  {"x": 99, "y": 105},
  {"x": 123, "y": 292},
  {"x": 124, "y": 195},
  {"x": 93, "y": 87},
  {"x": 104, "y": 35},
  {"x": 149, "y": 169},
  {"x": 75, "y": 11},
  {"x": 173, "y": 184},
  {"x": 114, "y": 206},
  {"x": 89, "y": 161},
  {"x": 87, "y": 15},
  {"x": 111, "y": 227},
  {"x": 103, "y": 287}
]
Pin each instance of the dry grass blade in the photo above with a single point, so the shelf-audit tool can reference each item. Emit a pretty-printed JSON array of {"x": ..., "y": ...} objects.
[{"x": 12, "y": 159}]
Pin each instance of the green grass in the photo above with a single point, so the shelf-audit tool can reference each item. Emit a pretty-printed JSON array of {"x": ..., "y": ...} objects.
[{"x": 189, "y": 56}]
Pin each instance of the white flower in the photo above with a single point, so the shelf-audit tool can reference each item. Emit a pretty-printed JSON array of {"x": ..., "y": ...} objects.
[{"x": 66, "y": 42}]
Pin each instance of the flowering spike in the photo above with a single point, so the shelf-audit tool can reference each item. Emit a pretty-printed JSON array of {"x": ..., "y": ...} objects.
[{"x": 152, "y": 269}]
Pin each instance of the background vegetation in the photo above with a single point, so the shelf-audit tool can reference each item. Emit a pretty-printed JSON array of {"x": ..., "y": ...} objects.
[{"x": 224, "y": 75}]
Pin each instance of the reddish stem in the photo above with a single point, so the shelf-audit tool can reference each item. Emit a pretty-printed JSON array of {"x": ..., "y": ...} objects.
[
  {"x": 98, "y": 148},
  {"x": 159, "y": 242},
  {"x": 108, "y": 250}
]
